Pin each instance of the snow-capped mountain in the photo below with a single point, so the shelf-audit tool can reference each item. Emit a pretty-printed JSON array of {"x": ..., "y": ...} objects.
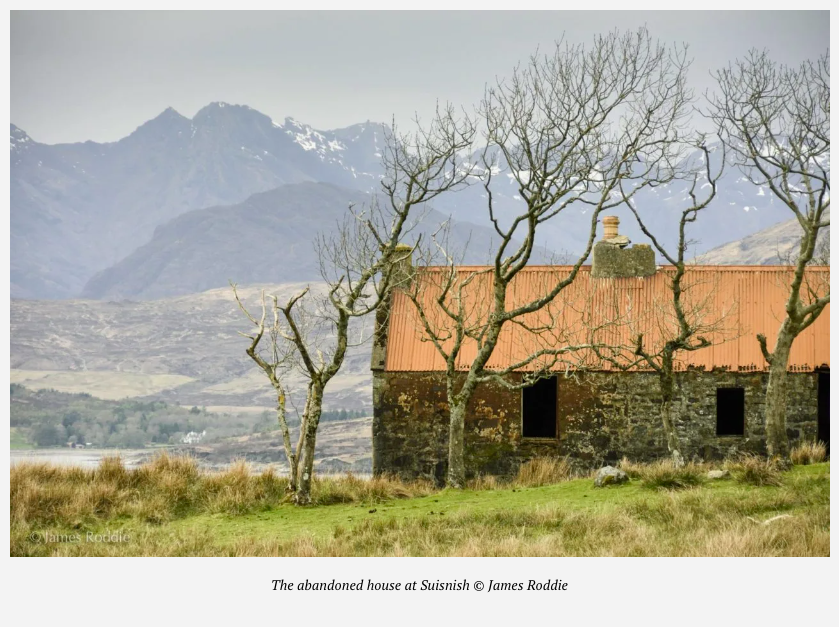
[
  {"x": 79, "y": 208},
  {"x": 355, "y": 149}
]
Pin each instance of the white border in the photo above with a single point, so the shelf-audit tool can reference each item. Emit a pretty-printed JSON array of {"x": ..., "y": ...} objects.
[{"x": 678, "y": 591}]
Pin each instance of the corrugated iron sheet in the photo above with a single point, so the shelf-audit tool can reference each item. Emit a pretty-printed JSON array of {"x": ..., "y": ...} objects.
[{"x": 731, "y": 304}]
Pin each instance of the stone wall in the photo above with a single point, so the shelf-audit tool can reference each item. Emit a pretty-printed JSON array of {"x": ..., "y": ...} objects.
[
  {"x": 600, "y": 418},
  {"x": 612, "y": 261}
]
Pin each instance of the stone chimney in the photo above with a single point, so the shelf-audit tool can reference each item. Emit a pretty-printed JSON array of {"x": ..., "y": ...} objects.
[
  {"x": 612, "y": 259},
  {"x": 403, "y": 265},
  {"x": 401, "y": 274}
]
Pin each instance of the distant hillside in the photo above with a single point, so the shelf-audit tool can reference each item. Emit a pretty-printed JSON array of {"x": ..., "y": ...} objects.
[
  {"x": 184, "y": 349},
  {"x": 269, "y": 238},
  {"x": 50, "y": 418},
  {"x": 46, "y": 418},
  {"x": 771, "y": 246}
]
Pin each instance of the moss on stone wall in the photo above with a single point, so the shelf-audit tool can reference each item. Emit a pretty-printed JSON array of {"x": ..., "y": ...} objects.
[{"x": 611, "y": 261}]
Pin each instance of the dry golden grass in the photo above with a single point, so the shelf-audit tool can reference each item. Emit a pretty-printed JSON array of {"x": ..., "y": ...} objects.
[
  {"x": 763, "y": 512},
  {"x": 534, "y": 473},
  {"x": 169, "y": 487},
  {"x": 754, "y": 470},
  {"x": 543, "y": 471},
  {"x": 685, "y": 523},
  {"x": 807, "y": 453},
  {"x": 486, "y": 482},
  {"x": 165, "y": 488},
  {"x": 351, "y": 489}
]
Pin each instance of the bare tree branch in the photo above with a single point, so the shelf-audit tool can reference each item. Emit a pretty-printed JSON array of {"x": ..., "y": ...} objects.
[{"x": 569, "y": 129}]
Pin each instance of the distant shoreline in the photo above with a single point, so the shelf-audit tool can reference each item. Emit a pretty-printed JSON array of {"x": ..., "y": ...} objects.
[
  {"x": 132, "y": 458},
  {"x": 86, "y": 458}
]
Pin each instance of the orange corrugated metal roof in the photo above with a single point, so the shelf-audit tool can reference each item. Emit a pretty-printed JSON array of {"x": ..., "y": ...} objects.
[{"x": 733, "y": 303}]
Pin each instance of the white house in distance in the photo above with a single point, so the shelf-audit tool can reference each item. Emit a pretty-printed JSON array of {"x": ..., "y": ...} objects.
[{"x": 193, "y": 437}]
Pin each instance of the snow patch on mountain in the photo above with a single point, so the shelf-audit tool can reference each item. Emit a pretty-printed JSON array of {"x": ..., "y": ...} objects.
[{"x": 18, "y": 139}]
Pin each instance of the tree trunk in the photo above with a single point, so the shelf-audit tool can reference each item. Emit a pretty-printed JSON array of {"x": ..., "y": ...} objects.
[
  {"x": 668, "y": 421},
  {"x": 457, "y": 464},
  {"x": 669, "y": 424},
  {"x": 777, "y": 443},
  {"x": 290, "y": 456},
  {"x": 289, "y": 452},
  {"x": 309, "y": 433}
]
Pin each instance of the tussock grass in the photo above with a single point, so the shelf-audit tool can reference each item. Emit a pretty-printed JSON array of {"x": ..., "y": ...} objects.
[
  {"x": 808, "y": 453},
  {"x": 486, "y": 482},
  {"x": 534, "y": 473},
  {"x": 351, "y": 489},
  {"x": 543, "y": 471},
  {"x": 665, "y": 475},
  {"x": 170, "y": 487},
  {"x": 678, "y": 523},
  {"x": 170, "y": 507},
  {"x": 753, "y": 470}
]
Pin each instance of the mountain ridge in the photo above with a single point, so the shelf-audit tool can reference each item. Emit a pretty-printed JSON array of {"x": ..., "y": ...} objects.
[
  {"x": 79, "y": 209},
  {"x": 269, "y": 238}
]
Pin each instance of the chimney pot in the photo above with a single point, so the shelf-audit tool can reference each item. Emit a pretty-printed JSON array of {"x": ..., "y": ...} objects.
[{"x": 610, "y": 227}]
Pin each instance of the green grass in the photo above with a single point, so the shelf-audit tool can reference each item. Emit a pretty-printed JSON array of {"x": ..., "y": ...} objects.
[
  {"x": 288, "y": 521},
  {"x": 568, "y": 518}
]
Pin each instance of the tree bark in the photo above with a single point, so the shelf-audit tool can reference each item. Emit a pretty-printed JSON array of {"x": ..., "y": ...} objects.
[
  {"x": 667, "y": 417},
  {"x": 309, "y": 432},
  {"x": 457, "y": 464},
  {"x": 673, "y": 444},
  {"x": 777, "y": 443},
  {"x": 289, "y": 452}
]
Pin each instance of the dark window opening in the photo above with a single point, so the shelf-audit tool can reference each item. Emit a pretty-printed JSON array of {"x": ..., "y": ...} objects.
[
  {"x": 731, "y": 411},
  {"x": 539, "y": 409},
  {"x": 824, "y": 409}
]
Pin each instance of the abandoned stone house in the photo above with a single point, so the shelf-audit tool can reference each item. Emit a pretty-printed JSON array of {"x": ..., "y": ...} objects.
[{"x": 593, "y": 412}]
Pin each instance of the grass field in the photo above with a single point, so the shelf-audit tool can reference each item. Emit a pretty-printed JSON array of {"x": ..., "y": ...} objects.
[{"x": 169, "y": 507}]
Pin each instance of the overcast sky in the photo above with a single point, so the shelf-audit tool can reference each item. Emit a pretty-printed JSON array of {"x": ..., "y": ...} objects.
[{"x": 94, "y": 75}]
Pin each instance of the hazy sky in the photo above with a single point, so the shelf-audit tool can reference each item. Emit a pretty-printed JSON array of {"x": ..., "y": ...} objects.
[{"x": 94, "y": 75}]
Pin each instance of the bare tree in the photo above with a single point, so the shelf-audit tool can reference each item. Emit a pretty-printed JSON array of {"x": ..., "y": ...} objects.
[
  {"x": 689, "y": 321},
  {"x": 568, "y": 128},
  {"x": 273, "y": 353},
  {"x": 357, "y": 266},
  {"x": 775, "y": 121}
]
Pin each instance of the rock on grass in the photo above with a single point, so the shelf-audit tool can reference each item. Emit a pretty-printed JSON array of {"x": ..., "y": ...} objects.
[{"x": 609, "y": 475}]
